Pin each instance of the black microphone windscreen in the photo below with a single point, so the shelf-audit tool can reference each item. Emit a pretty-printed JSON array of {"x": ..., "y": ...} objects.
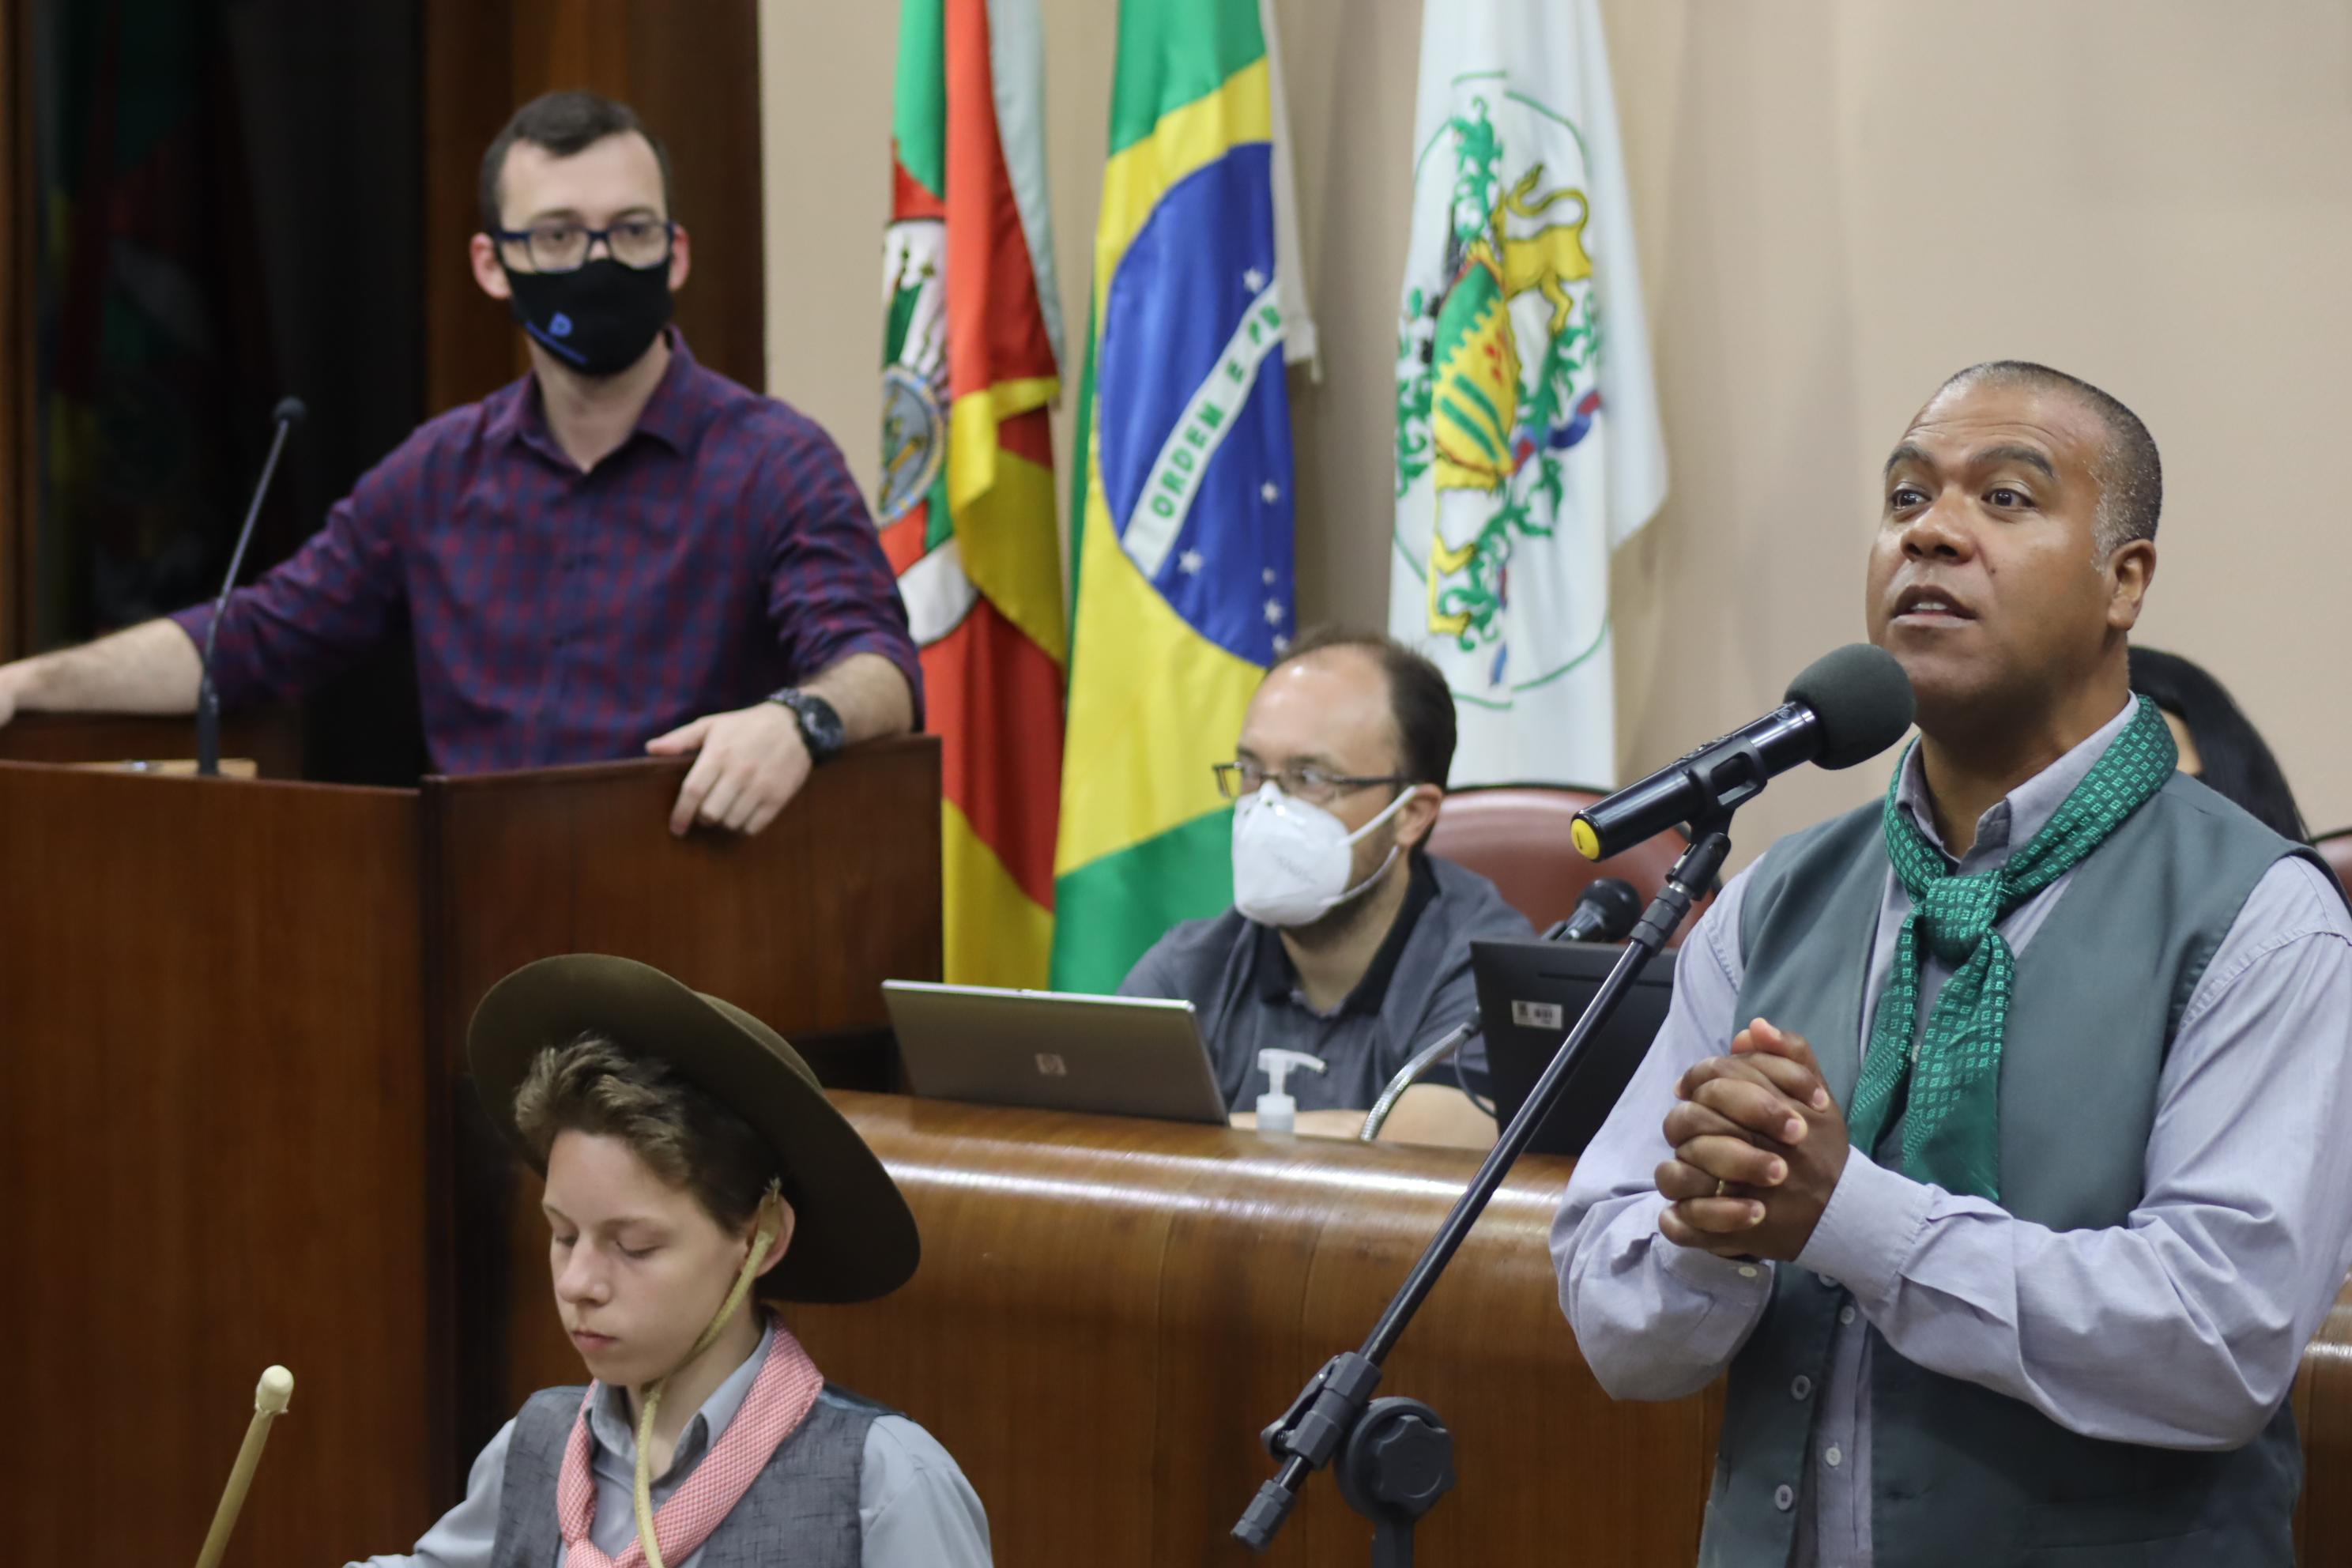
[
  {"x": 1862, "y": 698},
  {"x": 1615, "y": 897},
  {"x": 289, "y": 411}
]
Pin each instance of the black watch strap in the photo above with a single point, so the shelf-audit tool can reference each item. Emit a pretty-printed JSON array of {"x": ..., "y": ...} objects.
[{"x": 821, "y": 728}]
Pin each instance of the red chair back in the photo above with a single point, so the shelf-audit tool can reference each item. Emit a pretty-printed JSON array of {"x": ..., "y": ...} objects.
[
  {"x": 2335, "y": 849},
  {"x": 1517, "y": 837}
]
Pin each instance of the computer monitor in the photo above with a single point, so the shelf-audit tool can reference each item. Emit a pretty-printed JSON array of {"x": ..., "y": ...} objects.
[{"x": 1530, "y": 995}]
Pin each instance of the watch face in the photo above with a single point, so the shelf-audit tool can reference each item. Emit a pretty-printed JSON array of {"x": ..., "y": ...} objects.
[{"x": 820, "y": 726}]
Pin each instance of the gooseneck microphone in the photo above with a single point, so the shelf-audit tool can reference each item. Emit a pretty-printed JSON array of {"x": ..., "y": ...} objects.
[
  {"x": 1604, "y": 912},
  {"x": 288, "y": 413},
  {"x": 1847, "y": 706}
]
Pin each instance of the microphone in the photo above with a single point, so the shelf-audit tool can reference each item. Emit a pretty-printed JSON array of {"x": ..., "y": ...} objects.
[
  {"x": 1606, "y": 913},
  {"x": 288, "y": 413},
  {"x": 1846, "y": 707}
]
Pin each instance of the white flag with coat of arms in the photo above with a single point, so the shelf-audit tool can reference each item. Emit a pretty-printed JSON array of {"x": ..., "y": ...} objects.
[{"x": 1528, "y": 445}]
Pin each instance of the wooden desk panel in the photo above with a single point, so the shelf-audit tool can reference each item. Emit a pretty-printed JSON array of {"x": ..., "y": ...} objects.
[
  {"x": 217, "y": 1143},
  {"x": 799, "y": 926},
  {"x": 2323, "y": 1410},
  {"x": 1110, "y": 1310}
]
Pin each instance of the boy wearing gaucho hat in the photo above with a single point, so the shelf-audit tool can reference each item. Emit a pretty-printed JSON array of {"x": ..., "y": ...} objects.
[{"x": 692, "y": 1162}]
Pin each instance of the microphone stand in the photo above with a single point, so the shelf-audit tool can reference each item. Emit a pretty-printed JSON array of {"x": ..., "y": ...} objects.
[
  {"x": 1395, "y": 1455},
  {"x": 207, "y": 698}
]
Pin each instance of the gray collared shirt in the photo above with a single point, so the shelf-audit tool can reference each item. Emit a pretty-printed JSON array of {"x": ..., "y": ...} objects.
[
  {"x": 2221, "y": 1276},
  {"x": 1238, "y": 978},
  {"x": 915, "y": 1510}
]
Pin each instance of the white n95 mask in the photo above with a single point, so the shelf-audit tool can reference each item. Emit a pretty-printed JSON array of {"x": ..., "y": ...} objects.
[{"x": 1291, "y": 858}]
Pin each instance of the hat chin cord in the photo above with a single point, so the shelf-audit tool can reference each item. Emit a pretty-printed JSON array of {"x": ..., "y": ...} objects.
[{"x": 771, "y": 1221}]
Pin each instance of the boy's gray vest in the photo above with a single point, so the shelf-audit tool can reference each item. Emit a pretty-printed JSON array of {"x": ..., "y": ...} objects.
[
  {"x": 1961, "y": 1475},
  {"x": 806, "y": 1500}
]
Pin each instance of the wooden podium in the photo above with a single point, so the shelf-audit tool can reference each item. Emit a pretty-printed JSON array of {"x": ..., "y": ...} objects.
[{"x": 235, "y": 1131}]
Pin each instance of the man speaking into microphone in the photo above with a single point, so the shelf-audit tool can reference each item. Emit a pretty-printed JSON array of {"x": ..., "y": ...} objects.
[{"x": 1994, "y": 1141}]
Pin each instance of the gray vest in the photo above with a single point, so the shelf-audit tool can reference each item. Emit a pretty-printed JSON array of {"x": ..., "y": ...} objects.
[
  {"x": 803, "y": 1508},
  {"x": 1962, "y": 1476}
]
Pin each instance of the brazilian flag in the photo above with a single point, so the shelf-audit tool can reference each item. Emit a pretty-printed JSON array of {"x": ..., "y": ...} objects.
[{"x": 1182, "y": 501}]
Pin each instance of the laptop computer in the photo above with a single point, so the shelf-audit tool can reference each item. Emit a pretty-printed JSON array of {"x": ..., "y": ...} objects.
[
  {"x": 1530, "y": 995},
  {"x": 1052, "y": 1050}
]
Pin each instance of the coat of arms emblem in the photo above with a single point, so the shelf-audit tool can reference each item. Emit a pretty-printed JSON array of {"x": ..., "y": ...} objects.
[
  {"x": 1496, "y": 366},
  {"x": 914, "y": 372}
]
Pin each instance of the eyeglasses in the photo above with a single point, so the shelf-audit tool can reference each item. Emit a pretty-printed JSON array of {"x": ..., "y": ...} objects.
[
  {"x": 1313, "y": 785},
  {"x": 558, "y": 246}
]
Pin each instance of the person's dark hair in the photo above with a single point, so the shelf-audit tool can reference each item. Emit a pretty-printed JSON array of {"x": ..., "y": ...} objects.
[
  {"x": 2232, "y": 759},
  {"x": 597, "y": 1086},
  {"x": 563, "y": 123},
  {"x": 1418, "y": 697},
  {"x": 2131, "y": 476}
]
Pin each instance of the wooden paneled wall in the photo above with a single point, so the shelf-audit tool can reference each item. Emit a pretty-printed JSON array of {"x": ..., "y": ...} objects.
[{"x": 689, "y": 68}]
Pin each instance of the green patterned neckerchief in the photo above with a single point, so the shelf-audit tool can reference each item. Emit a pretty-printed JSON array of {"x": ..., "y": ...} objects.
[{"x": 1952, "y": 1134}]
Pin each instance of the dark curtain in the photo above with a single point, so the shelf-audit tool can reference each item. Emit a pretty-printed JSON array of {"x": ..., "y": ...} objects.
[{"x": 230, "y": 203}]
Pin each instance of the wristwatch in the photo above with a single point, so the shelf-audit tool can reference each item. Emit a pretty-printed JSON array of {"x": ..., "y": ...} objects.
[{"x": 820, "y": 725}]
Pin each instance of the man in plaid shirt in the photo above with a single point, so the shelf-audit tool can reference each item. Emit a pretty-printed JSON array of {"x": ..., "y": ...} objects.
[{"x": 622, "y": 553}]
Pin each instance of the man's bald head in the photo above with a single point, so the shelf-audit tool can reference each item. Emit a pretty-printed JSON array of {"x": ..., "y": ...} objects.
[{"x": 2130, "y": 476}]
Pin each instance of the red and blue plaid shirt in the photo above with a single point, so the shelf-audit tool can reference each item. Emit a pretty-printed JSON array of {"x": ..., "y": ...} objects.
[{"x": 722, "y": 552}]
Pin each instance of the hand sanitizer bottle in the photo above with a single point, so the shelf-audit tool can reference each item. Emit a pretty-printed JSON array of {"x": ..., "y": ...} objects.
[{"x": 1276, "y": 1111}]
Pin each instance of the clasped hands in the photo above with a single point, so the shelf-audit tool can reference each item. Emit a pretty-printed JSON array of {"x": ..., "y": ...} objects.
[{"x": 1758, "y": 1145}]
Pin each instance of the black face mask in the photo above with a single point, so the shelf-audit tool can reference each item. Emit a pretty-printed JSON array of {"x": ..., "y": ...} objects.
[{"x": 599, "y": 318}]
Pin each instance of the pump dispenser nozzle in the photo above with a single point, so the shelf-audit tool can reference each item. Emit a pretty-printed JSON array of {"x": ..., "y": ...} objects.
[{"x": 1276, "y": 1111}]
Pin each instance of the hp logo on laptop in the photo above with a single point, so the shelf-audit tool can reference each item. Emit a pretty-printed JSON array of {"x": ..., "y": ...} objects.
[{"x": 1052, "y": 1066}]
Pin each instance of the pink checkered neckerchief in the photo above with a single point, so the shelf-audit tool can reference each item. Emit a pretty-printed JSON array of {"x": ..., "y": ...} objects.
[{"x": 780, "y": 1399}]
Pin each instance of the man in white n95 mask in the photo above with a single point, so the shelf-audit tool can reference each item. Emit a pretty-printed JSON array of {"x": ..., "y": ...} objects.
[{"x": 1347, "y": 939}]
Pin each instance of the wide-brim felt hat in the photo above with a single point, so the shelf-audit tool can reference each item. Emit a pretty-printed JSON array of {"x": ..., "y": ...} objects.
[{"x": 854, "y": 1237}]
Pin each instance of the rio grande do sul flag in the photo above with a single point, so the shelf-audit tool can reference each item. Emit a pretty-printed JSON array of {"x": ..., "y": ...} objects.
[
  {"x": 1183, "y": 507},
  {"x": 1528, "y": 445},
  {"x": 971, "y": 355}
]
